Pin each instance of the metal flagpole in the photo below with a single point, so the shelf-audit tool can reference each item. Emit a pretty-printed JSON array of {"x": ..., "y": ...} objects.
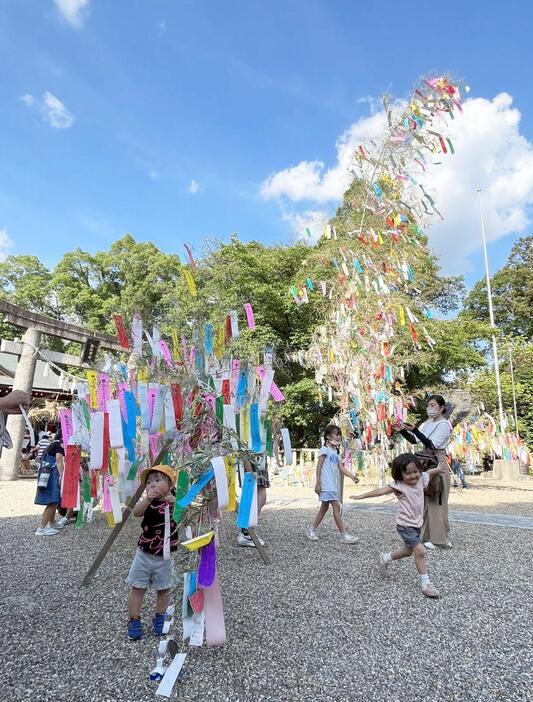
[
  {"x": 511, "y": 368},
  {"x": 491, "y": 316}
]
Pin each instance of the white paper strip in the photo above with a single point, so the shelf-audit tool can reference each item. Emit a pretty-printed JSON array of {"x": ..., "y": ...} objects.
[
  {"x": 97, "y": 441},
  {"x": 234, "y": 323},
  {"x": 287, "y": 448},
  {"x": 166, "y": 536},
  {"x": 116, "y": 438},
  {"x": 229, "y": 423},
  {"x": 142, "y": 395},
  {"x": 171, "y": 675},
  {"x": 253, "y": 509},
  {"x": 266, "y": 384},
  {"x": 221, "y": 481},
  {"x": 197, "y": 633},
  {"x": 115, "y": 503},
  {"x": 170, "y": 417},
  {"x": 28, "y": 425},
  {"x": 159, "y": 406},
  {"x": 137, "y": 334}
]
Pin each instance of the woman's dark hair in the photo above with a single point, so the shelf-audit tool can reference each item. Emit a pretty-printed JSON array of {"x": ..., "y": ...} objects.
[
  {"x": 400, "y": 463},
  {"x": 331, "y": 429},
  {"x": 438, "y": 399}
]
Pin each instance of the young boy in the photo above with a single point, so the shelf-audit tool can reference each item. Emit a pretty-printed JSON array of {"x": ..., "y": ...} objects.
[{"x": 152, "y": 565}]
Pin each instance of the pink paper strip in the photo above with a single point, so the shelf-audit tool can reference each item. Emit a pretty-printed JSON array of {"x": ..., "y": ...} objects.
[
  {"x": 104, "y": 393},
  {"x": 215, "y": 629},
  {"x": 106, "y": 505},
  {"x": 154, "y": 448},
  {"x": 65, "y": 417},
  {"x": 249, "y": 315},
  {"x": 166, "y": 353}
]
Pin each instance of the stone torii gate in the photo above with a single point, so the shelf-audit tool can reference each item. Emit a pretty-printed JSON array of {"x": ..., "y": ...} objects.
[{"x": 36, "y": 325}]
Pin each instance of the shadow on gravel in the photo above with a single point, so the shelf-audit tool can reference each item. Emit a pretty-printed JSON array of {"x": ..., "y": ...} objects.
[{"x": 317, "y": 625}]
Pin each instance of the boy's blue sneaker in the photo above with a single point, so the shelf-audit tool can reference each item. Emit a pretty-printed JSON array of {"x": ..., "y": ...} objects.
[
  {"x": 157, "y": 624},
  {"x": 135, "y": 630}
]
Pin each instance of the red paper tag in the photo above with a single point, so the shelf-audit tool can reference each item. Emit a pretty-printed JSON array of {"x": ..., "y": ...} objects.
[
  {"x": 121, "y": 331},
  {"x": 69, "y": 495},
  {"x": 197, "y": 601},
  {"x": 177, "y": 401},
  {"x": 226, "y": 392}
]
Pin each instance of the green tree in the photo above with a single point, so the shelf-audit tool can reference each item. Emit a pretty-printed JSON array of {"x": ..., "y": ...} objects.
[
  {"x": 512, "y": 293},
  {"x": 26, "y": 282}
]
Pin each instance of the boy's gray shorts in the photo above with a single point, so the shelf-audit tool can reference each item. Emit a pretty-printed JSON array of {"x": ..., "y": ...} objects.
[{"x": 150, "y": 571}]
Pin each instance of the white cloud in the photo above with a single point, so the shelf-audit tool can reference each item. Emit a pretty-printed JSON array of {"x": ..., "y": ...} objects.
[
  {"x": 490, "y": 154},
  {"x": 307, "y": 225},
  {"x": 27, "y": 99},
  {"x": 193, "y": 187},
  {"x": 73, "y": 11},
  {"x": 53, "y": 111},
  {"x": 6, "y": 242}
]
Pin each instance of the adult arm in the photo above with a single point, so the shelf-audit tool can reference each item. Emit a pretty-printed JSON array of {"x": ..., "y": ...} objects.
[{"x": 10, "y": 404}]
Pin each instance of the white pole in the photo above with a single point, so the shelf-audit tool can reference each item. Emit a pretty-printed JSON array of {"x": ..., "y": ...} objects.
[
  {"x": 514, "y": 393},
  {"x": 491, "y": 317}
]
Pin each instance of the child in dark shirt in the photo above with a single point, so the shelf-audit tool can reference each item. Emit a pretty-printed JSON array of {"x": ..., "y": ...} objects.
[{"x": 152, "y": 565}]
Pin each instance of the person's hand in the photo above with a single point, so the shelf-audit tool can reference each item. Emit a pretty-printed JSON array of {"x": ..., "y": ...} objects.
[
  {"x": 152, "y": 493},
  {"x": 355, "y": 478},
  {"x": 408, "y": 426},
  {"x": 317, "y": 488},
  {"x": 354, "y": 497},
  {"x": 398, "y": 426},
  {"x": 10, "y": 404},
  {"x": 170, "y": 498}
]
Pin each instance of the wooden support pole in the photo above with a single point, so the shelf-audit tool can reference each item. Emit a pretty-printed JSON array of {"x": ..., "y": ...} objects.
[
  {"x": 23, "y": 380},
  {"x": 118, "y": 527}
]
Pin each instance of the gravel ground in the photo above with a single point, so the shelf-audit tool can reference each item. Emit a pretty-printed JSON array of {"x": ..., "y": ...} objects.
[{"x": 317, "y": 625}]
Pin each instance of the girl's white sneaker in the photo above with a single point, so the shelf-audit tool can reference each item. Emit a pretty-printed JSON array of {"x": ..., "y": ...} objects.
[
  {"x": 311, "y": 534},
  {"x": 348, "y": 538},
  {"x": 429, "y": 545}
]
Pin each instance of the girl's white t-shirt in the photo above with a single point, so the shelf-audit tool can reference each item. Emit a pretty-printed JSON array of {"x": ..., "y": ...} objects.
[
  {"x": 437, "y": 432},
  {"x": 329, "y": 475}
]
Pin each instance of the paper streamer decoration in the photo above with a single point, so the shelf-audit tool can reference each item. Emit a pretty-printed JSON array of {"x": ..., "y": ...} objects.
[
  {"x": 208, "y": 565},
  {"x": 221, "y": 481},
  {"x": 215, "y": 630},
  {"x": 171, "y": 675},
  {"x": 254, "y": 513},
  {"x": 196, "y": 487},
  {"x": 196, "y": 637},
  {"x": 166, "y": 536},
  {"x": 97, "y": 441},
  {"x": 115, "y": 503},
  {"x": 190, "y": 282},
  {"x": 137, "y": 334},
  {"x": 249, "y": 315},
  {"x": 71, "y": 477},
  {"x": 275, "y": 392},
  {"x": 230, "y": 475},
  {"x": 229, "y": 423},
  {"x": 65, "y": 418},
  {"x": 121, "y": 331},
  {"x": 287, "y": 448},
  {"x": 247, "y": 494},
  {"x": 116, "y": 437},
  {"x": 234, "y": 321},
  {"x": 255, "y": 431}
]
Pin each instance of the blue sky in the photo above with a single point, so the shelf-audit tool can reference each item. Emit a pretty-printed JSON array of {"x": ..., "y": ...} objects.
[{"x": 163, "y": 118}]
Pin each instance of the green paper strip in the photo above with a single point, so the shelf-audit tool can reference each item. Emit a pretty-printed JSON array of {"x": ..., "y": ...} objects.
[
  {"x": 269, "y": 442},
  {"x": 132, "y": 474},
  {"x": 219, "y": 409},
  {"x": 79, "y": 517},
  {"x": 182, "y": 486},
  {"x": 86, "y": 488},
  {"x": 86, "y": 413}
]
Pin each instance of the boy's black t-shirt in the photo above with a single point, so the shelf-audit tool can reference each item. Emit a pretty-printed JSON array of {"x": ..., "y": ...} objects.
[{"x": 153, "y": 526}]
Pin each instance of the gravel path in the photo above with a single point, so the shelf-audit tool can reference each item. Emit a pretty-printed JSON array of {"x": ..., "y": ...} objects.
[{"x": 317, "y": 625}]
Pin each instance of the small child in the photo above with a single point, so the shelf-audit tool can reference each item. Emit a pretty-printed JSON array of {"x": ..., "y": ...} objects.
[
  {"x": 408, "y": 486},
  {"x": 327, "y": 484},
  {"x": 150, "y": 568}
]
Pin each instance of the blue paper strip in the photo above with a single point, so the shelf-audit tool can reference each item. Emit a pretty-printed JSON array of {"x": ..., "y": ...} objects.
[
  {"x": 245, "y": 505},
  {"x": 192, "y": 582},
  {"x": 208, "y": 339},
  {"x": 257, "y": 444},
  {"x": 242, "y": 387},
  {"x": 196, "y": 487}
]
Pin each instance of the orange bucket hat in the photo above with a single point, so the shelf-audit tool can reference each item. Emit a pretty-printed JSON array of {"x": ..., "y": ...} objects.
[{"x": 166, "y": 470}]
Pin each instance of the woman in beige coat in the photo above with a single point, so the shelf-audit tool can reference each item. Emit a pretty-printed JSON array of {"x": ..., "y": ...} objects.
[{"x": 434, "y": 433}]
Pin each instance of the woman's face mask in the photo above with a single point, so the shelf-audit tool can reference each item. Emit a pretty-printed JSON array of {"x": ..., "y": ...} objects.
[{"x": 433, "y": 410}]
